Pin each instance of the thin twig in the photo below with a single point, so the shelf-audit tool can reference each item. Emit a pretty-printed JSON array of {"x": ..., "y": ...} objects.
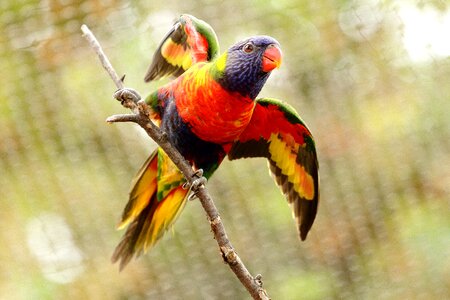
[
  {"x": 121, "y": 118},
  {"x": 87, "y": 33},
  {"x": 140, "y": 116}
]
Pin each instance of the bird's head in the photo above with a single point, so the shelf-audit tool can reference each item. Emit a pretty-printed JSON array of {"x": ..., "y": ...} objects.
[{"x": 247, "y": 65}]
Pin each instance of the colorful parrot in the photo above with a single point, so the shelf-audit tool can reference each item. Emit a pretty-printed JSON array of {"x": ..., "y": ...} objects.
[{"x": 210, "y": 111}]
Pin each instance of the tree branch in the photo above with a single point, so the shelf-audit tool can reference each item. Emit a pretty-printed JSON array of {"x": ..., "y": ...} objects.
[
  {"x": 87, "y": 33},
  {"x": 141, "y": 116}
]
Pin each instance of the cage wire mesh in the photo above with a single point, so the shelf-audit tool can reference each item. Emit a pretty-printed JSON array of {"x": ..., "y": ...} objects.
[{"x": 371, "y": 78}]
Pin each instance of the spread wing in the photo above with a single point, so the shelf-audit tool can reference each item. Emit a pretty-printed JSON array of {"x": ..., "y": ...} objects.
[
  {"x": 189, "y": 41},
  {"x": 277, "y": 133}
]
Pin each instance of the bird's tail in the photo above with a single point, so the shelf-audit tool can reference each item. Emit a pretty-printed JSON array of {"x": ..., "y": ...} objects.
[{"x": 156, "y": 199}]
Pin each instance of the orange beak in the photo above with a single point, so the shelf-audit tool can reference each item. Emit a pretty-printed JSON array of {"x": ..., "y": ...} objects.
[{"x": 271, "y": 58}]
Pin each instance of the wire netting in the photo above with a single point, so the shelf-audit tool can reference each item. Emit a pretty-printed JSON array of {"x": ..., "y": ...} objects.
[{"x": 370, "y": 78}]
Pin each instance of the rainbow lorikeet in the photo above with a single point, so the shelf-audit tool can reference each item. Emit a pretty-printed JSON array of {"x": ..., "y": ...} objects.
[{"x": 210, "y": 111}]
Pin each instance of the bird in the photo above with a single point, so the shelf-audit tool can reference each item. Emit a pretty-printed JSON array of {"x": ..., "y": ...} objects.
[{"x": 210, "y": 111}]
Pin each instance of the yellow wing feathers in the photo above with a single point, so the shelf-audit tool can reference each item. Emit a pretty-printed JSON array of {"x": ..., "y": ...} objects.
[
  {"x": 176, "y": 54},
  {"x": 163, "y": 217},
  {"x": 156, "y": 200},
  {"x": 144, "y": 186},
  {"x": 285, "y": 158}
]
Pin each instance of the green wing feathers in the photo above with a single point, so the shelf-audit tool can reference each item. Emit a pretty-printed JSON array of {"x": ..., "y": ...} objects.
[
  {"x": 277, "y": 133},
  {"x": 189, "y": 41},
  {"x": 156, "y": 199}
]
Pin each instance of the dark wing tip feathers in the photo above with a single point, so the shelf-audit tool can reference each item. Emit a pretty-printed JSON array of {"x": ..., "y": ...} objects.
[
  {"x": 122, "y": 252},
  {"x": 126, "y": 249},
  {"x": 251, "y": 148},
  {"x": 159, "y": 68},
  {"x": 304, "y": 210}
]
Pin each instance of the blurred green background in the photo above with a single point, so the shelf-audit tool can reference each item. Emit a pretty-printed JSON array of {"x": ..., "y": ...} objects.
[{"x": 372, "y": 80}]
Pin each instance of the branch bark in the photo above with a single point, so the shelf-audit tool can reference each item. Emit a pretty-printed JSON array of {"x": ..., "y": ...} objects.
[{"x": 140, "y": 116}]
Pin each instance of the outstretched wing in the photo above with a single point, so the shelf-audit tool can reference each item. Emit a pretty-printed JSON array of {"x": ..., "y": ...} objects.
[
  {"x": 277, "y": 133},
  {"x": 189, "y": 41}
]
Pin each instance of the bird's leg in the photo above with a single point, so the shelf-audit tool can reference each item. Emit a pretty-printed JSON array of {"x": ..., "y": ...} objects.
[
  {"x": 128, "y": 97},
  {"x": 197, "y": 183}
]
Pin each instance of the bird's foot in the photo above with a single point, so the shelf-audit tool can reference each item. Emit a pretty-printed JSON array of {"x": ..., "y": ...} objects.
[
  {"x": 128, "y": 97},
  {"x": 196, "y": 184}
]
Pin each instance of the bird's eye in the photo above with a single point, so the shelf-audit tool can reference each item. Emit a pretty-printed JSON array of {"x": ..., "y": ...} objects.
[{"x": 248, "y": 48}]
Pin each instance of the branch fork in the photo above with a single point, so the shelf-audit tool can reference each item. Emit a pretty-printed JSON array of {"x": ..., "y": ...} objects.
[{"x": 131, "y": 99}]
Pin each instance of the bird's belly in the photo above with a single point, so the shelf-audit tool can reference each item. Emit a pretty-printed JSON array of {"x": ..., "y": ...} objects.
[{"x": 202, "y": 154}]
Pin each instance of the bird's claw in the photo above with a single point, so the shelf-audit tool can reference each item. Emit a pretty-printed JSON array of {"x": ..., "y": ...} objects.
[
  {"x": 126, "y": 96},
  {"x": 195, "y": 184},
  {"x": 198, "y": 173}
]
